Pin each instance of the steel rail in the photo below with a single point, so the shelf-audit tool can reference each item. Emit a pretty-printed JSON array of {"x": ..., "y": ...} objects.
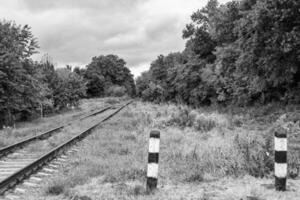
[
  {"x": 9, "y": 149},
  {"x": 34, "y": 166}
]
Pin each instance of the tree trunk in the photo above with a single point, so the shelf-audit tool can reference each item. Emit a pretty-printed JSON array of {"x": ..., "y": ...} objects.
[
  {"x": 9, "y": 118},
  {"x": 41, "y": 108}
]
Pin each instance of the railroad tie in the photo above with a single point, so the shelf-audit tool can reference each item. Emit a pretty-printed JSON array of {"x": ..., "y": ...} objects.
[
  {"x": 30, "y": 184},
  {"x": 20, "y": 190},
  {"x": 42, "y": 174},
  {"x": 35, "y": 179},
  {"x": 12, "y": 197},
  {"x": 49, "y": 170}
]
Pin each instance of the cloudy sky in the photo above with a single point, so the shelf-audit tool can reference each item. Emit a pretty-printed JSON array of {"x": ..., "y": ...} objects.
[{"x": 73, "y": 31}]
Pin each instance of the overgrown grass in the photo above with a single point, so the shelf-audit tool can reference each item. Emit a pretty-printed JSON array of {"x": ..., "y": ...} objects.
[
  {"x": 184, "y": 117},
  {"x": 11, "y": 135},
  {"x": 112, "y": 101},
  {"x": 197, "y": 146},
  {"x": 24, "y": 130}
]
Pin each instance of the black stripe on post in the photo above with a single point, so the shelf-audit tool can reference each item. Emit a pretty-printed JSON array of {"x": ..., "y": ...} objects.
[
  {"x": 280, "y": 184},
  {"x": 280, "y": 133},
  {"x": 151, "y": 184},
  {"x": 155, "y": 134},
  {"x": 280, "y": 157},
  {"x": 153, "y": 157}
]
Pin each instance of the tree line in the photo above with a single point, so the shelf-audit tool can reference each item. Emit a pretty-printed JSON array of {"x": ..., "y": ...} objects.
[
  {"x": 29, "y": 88},
  {"x": 243, "y": 52}
]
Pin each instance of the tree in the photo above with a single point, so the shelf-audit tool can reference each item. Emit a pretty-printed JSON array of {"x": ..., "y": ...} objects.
[
  {"x": 18, "y": 88},
  {"x": 269, "y": 41},
  {"x": 241, "y": 52},
  {"x": 68, "y": 90},
  {"x": 142, "y": 83},
  {"x": 105, "y": 71}
]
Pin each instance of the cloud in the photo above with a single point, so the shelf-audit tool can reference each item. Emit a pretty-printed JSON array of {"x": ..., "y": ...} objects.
[{"x": 73, "y": 31}]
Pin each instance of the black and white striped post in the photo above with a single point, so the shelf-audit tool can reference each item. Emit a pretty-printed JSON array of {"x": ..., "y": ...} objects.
[
  {"x": 152, "y": 169},
  {"x": 280, "y": 168}
]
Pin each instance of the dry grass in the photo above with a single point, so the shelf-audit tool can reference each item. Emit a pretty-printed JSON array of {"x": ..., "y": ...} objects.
[
  {"x": 24, "y": 130},
  {"x": 204, "y": 155}
]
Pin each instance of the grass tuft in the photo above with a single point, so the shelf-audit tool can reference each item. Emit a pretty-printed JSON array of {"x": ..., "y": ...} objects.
[
  {"x": 112, "y": 101},
  {"x": 55, "y": 187}
]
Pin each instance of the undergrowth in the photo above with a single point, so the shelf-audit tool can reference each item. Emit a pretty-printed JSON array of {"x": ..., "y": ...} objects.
[{"x": 196, "y": 145}]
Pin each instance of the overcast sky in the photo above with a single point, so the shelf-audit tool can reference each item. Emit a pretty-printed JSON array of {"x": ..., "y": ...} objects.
[{"x": 73, "y": 31}]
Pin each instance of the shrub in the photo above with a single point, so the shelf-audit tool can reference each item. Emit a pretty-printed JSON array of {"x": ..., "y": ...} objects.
[
  {"x": 116, "y": 91},
  {"x": 182, "y": 118},
  {"x": 203, "y": 124},
  {"x": 68, "y": 89},
  {"x": 81, "y": 198},
  {"x": 153, "y": 93},
  {"x": 138, "y": 190},
  {"x": 255, "y": 151},
  {"x": 112, "y": 101},
  {"x": 195, "y": 176},
  {"x": 56, "y": 187}
]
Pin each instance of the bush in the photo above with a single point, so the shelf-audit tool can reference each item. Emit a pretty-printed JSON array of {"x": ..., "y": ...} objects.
[
  {"x": 182, "y": 118},
  {"x": 116, "y": 91},
  {"x": 56, "y": 187},
  {"x": 69, "y": 89},
  {"x": 112, "y": 101},
  {"x": 203, "y": 124},
  {"x": 153, "y": 93},
  {"x": 255, "y": 151}
]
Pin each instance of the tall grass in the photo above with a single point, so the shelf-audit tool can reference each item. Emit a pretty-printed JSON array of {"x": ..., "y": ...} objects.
[{"x": 196, "y": 146}]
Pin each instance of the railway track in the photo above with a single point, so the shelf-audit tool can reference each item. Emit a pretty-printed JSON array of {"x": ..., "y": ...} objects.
[
  {"x": 11, "y": 148},
  {"x": 19, "y": 164}
]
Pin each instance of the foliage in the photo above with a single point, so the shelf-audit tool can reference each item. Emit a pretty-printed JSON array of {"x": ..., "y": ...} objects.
[
  {"x": 29, "y": 88},
  {"x": 116, "y": 91},
  {"x": 106, "y": 71},
  {"x": 68, "y": 90},
  {"x": 241, "y": 52},
  {"x": 18, "y": 85}
]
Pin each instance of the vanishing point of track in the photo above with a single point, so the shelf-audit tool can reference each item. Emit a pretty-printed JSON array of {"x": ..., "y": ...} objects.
[{"x": 28, "y": 166}]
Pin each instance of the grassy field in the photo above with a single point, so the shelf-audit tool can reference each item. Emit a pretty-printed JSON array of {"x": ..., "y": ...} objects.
[
  {"x": 27, "y": 129},
  {"x": 204, "y": 155}
]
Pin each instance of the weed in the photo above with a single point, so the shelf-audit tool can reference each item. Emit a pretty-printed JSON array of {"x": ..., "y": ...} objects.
[
  {"x": 55, "y": 187},
  {"x": 132, "y": 174},
  {"x": 137, "y": 190},
  {"x": 182, "y": 118},
  {"x": 112, "y": 101},
  {"x": 129, "y": 137},
  {"x": 110, "y": 178},
  {"x": 127, "y": 113},
  {"x": 203, "y": 124},
  {"x": 81, "y": 198},
  {"x": 194, "y": 177},
  {"x": 254, "y": 150}
]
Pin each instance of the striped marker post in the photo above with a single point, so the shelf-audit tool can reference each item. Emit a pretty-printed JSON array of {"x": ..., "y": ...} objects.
[
  {"x": 152, "y": 169},
  {"x": 280, "y": 168}
]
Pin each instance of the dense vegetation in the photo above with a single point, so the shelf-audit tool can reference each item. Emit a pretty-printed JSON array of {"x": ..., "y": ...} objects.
[
  {"x": 107, "y": 75},
  {"x": 242, "y": 52},
  {"x": 29, "y": 88}
]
